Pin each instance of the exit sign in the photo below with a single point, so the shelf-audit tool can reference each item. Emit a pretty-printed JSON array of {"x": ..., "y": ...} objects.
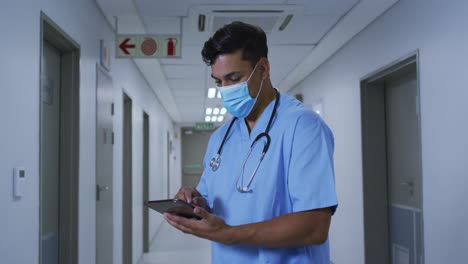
[{"x": 204, "y": 126}]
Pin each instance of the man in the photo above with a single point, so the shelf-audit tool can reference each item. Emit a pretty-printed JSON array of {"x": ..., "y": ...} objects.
[{"x": 271, "y": 209}]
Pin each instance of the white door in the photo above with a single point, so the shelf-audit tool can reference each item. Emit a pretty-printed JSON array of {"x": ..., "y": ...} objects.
[
  {"x": 404, "y": 169},
  {"x": 50, "y": 154},
  {"x": 104, "y": 169}
]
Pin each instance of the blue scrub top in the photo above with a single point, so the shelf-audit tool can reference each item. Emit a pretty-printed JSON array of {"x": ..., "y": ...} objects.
[{"x": 295, "y": 175}]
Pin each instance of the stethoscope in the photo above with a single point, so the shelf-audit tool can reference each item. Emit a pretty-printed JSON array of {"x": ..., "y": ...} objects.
[{"x": 215, "y": 161}]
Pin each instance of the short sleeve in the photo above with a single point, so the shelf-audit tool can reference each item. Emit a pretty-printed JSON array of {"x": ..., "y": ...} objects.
[
  {"x": 311, "y": 179},
  {"x": 202, "y": 187}
]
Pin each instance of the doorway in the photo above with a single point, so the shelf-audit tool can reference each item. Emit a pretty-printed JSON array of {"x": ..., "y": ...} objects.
[
  {"x": 194, "y": 143},
  {"x": 146, "y": 143},
  {"x": 169, "y": 157},
  {"x": 392, "y": 179},
  {"x": 59, "y": 145},
  {"x": 104, "y": 167},
  {"x": 127, "y": 216}
]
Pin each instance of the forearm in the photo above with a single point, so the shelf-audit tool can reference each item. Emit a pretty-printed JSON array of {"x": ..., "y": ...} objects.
[{"x": 296, "y": 229}]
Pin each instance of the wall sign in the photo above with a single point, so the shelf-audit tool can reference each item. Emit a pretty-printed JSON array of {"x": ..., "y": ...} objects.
[{"x": 148, "y": 46}]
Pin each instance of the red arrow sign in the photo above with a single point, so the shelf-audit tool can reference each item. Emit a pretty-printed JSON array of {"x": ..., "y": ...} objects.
[{"x": 124, "y": 46}]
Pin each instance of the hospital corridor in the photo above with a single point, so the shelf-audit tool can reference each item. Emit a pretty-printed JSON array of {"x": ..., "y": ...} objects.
[{"x": 233, "y": 131}]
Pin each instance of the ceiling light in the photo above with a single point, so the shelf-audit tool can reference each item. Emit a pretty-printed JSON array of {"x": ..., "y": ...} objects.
[
  {"x": 201, "y": 22},
  {"x": 207, "y": 118},
  {"x": 220, "y": 118},
  {"x": 285, "y": 22},
  {"x": 223, "y": 111},
  {"x": 213, "y": 118},
  {"x": 219, "y": 94},
  {"x": 208, "y": 111},
  {"x": 216, "y": 111},
  {"x": 211, "y": 92}
]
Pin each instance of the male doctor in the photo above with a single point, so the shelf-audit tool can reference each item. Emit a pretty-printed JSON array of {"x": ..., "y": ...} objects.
[{"x": 267, "y": 192}]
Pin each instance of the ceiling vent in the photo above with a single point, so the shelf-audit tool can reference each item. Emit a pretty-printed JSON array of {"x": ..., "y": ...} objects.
[
  {"x": 266, "y": 19},
  {"x": 269, "y": 17}
]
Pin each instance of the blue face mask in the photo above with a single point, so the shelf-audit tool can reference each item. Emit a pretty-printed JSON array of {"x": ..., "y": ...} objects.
[{"x": 236, "y": 98}]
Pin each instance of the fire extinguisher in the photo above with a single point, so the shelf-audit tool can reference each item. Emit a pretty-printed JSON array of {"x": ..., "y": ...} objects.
[{"x": 171, "y": 44}]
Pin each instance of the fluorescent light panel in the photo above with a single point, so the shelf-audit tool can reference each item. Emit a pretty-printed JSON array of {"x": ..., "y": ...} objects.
[{"x": 211, "y": 92}]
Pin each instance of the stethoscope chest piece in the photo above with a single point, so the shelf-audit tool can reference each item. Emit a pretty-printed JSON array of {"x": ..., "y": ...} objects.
[{"x": 214, "y": 163}]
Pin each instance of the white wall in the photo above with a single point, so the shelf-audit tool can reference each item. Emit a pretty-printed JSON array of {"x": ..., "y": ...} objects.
[
  {"x": 19, "y": 119},
  {"x": 438, "y": 29},
  {"x": 176, "y": 180}
]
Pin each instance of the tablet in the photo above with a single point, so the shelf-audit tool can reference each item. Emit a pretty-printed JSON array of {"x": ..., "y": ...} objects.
[{"x": 173, "y": 206}]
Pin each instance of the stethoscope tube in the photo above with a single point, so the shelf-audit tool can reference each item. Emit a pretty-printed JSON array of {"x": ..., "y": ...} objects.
[
  {"x": 215, "y": 161},
  {"x": 265, "y": 149}
]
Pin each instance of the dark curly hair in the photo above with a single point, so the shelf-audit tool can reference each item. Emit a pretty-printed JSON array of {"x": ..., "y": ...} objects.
[{"x": 251, "y": 40}]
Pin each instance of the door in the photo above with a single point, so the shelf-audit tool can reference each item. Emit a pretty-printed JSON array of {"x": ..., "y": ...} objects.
[
  {"x": 392, "y": 174},
  {"x": 59, "y": 145},
  {"x": 145, "y": 182},
  {"x": 104, "y": 168},
  {"x": 193, "y": 147},
  {"x": 403, "y": 168},
  {"x": 50, "y": 154},
  {"x": 169, "y": 157},
  {"x": 127, "y": 183}
]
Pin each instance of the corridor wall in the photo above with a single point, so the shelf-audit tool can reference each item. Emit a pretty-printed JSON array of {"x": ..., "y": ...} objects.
[
  {"x": 19, "y": 133},
  {"x": 437, "y": 29}
]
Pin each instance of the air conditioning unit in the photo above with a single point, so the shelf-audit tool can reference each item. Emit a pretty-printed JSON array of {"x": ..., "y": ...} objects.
[{"x": 270, "y": 17}]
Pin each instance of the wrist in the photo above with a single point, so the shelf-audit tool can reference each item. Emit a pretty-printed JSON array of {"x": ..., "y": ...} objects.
[
  {"x": 241, "y": 234},
  {"x": 230, "y": 235}
]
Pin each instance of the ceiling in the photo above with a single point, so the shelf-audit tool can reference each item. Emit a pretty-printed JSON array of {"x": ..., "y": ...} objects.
[{"x": 318, "y": 28}]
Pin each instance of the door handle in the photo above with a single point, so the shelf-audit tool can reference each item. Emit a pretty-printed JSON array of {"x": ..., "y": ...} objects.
[
  {"x": 103, "y": 188},
  {"x": 99, "y": 189}
]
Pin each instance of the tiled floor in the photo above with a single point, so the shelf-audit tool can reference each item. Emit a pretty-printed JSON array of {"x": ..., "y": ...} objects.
[{"x": 174, "y": 247}]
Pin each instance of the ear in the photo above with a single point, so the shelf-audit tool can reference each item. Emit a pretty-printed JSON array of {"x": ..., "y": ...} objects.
[{"x": 264, "y": 68}]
